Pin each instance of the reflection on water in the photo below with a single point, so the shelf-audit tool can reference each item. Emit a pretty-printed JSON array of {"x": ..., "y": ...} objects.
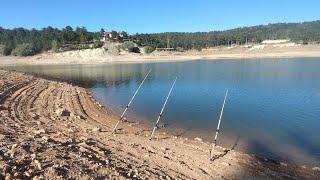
[{"x": 272, "y": 109}]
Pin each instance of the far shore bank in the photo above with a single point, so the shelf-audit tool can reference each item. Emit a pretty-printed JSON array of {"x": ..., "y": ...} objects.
[{"x": 99, "y": 56}]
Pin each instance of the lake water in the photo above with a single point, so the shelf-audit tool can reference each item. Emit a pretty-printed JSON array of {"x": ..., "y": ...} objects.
[{"x": 273, "y": 106}]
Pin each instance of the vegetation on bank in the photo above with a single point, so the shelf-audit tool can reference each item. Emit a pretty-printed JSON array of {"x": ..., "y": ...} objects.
[
  {"x": 305, "y": 33},
  {"x": 130, "y": 47},
  {"x": 24, "y": 42},
  {"x": 24, "y": 49},
  {"x": 149, "y": 49}
]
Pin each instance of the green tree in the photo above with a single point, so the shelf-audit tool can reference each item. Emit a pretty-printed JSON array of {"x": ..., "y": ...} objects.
[
  {"x": 68, "y": 35},
  {"x": 25, "y": 49},
  {"x": 124, "y": 35},
  {"x": 82, "y": 34},
  {"x": 2, "y": 48},
  {"x": 102, "y": 31}
]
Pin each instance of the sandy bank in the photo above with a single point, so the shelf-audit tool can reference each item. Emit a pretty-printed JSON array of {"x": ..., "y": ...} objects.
[
  {"x": 97, "y": 56},
  {"x": 55, "y": 130}
]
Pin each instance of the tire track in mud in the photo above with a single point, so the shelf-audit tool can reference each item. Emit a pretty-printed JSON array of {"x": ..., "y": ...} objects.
[
  {"x": 42, "y": 103},
  {"x": 15, "y": 101},
  {"x": 54, "y": 99},
  {"x": 77, "y": 107},
  {"x": 42, "y": 95},
  {"x": 66, "y": 99},
  {"x": 22, "y": 105},
  {"x": 28, "y": 110},
  {"x": 87, "y": 107},
  {"x": 94, "y": 110},
  {"x": 5, "y": 92}
]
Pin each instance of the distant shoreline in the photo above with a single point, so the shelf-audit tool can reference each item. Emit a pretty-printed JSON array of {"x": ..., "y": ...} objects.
[{"x": 98, "y": 56}]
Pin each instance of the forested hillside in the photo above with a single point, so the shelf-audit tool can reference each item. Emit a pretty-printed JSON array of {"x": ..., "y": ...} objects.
[
  {"x": 298, "y": 32},
  {"x": 20, "y": 41},
  {"x": 23, "y": 42}
]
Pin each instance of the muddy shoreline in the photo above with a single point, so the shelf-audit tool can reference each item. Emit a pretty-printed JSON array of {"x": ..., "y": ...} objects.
[{"x": 54, "y": 130}]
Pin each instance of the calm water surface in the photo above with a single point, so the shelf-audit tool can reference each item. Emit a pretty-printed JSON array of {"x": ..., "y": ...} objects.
[{"x": 273, "y": 107}]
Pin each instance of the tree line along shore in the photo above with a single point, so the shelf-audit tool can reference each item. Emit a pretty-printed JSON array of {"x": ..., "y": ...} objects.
[{"x": 27, "y": 42}]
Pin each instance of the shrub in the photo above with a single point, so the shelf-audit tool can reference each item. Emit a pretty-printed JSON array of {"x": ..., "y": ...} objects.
[
  {"x": 112, "y": 49},
  {"x": 76, "y": 47},
  {"x": 55, "y": 45},
  {"x": 83, "y": 46},
  {"x": 198, "y": 48},
  {"x": 5, "y": 50},
  {"x": 25, "y": 49},
  {"x": 130, "y": 47},
  {"x": 98, "y": 44},
  {"x": 179, "y": 49},
  {"x": 149, "y": 49},
  {"x": 127, "y": 46},
  {"x": 135, "y": 50}
]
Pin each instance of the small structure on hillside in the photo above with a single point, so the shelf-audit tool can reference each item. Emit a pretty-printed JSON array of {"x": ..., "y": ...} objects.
[{"x": 114, "y": 36}]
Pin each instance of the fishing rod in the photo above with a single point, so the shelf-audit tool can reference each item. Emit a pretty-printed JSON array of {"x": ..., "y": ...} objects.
[
  {"x": 128, "y": 105},
  {"x": 218, "y": 127},
  {"x": 164, "y": 105}
]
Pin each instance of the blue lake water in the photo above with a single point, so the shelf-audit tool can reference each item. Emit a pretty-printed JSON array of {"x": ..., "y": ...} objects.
[{"x": 273, "y": 106}]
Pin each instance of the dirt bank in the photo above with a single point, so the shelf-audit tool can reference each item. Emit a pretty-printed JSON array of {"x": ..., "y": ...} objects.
[
  {"x": 96, "y": 56},
  {"x": 55, "y": 130}
]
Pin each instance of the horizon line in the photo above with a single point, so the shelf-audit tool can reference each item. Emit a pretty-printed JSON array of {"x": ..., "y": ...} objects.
[{"x": 226, "y": 29}]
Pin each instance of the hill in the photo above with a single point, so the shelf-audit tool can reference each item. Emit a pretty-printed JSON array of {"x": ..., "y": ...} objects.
[
  {"x": 24, "y": 42},
  {"x": 306, "y": 32}
]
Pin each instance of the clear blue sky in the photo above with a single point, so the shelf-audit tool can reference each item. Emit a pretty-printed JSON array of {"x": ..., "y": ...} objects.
[{"x": 155, "y": 15}]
